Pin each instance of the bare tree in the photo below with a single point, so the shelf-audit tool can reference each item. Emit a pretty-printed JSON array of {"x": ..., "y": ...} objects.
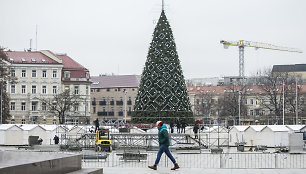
[
  {"x": 61, "y": 104},
  {"x": 229, "y": 104},
  {"x": 274, "y": 85},
  {"x": 204, "y": 104}
]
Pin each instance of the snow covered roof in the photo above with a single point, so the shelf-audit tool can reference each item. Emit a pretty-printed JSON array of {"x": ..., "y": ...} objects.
[
  {"x": 28, "y": 127},
  {"x": 50, "y": 127},
  {"x": 278, "y": 128},
  {"x": 258, "y": 128},
  {"x": 6, "y": 126},
  {"x": 241, "y": 128},
  {"x": 295, "y": 127}
]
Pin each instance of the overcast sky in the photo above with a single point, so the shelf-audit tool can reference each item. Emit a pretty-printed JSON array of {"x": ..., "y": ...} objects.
[{"x": 113, "y": 36}]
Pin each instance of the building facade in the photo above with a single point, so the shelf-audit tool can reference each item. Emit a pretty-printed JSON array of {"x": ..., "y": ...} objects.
[
  {"x": 113, "y": 97},
  {"x": 209, "y": 104},
  {"x": 39, "y": 75}
]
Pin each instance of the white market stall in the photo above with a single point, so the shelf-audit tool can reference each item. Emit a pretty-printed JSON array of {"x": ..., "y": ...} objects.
[
  {"x": 237, "y": 135},
  {"x": 51, "y": 131},
  {"x": 274, "y": 135},
  {"x": 10, "y": 134},
  {"x": 252, "y": 134},
  {"x": 33, "y": 130}
]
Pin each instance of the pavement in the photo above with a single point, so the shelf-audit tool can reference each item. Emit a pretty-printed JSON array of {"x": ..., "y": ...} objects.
[{"x": 114, "y": 170}]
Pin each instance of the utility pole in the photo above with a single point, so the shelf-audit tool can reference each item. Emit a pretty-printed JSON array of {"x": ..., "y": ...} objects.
[
  {"x": 1, "y": 86},
  {"x": 239, "y": 101},
  {"x": 125, "y": 92},
  {"x": 296, "y": 102},
  {"x": 283, "y": 102}
]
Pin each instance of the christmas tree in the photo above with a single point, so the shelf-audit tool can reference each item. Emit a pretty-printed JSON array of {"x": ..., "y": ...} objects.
[{"x": 162, "y": 93}]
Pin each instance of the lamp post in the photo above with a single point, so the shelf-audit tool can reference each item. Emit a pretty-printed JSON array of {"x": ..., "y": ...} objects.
[
  {"x": 125, "y": 92},
  {"x": 239, "y": 101},
  {"x": 1, "y": 110}
]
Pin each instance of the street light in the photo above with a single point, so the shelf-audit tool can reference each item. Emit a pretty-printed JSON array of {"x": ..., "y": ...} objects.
[
  {"x": 125, "y": 92},
  {"x": 239, "y": 101}
]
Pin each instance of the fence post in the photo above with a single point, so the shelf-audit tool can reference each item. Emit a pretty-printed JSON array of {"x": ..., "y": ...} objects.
[
  {"x": 221, "y": 164},
  {"x": 276, "y": 160}
]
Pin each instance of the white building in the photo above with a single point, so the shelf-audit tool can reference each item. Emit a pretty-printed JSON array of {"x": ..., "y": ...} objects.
[{"x": 42, "y": 75}]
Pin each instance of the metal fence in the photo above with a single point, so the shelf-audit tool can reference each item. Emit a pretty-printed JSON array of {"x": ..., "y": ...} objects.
[{"x": 197, "y": 160}]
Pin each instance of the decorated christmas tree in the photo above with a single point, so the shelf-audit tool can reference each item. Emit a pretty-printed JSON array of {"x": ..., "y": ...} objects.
[{"x": 162, "y": 93}]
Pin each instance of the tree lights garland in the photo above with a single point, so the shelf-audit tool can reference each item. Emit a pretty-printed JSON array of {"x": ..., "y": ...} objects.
[{"x": 162, "y": 91}]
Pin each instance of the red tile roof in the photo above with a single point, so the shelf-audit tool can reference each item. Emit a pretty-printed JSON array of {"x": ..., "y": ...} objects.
[
  {"x": 122, "y": 81},
  {"x": 222, "y": 89},
  {"x": 70, "y": 64},
  {"x": 76, "y": 70},
  {"x": 35, "y": 57}
]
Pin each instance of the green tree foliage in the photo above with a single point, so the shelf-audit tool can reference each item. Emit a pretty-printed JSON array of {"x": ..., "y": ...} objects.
[
  {"x": 4, "y": 79},
  {"x": 162, "y": 92}
]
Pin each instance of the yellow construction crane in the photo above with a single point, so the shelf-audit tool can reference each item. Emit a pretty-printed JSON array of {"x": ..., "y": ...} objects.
[{"x": 243, "y": 43}]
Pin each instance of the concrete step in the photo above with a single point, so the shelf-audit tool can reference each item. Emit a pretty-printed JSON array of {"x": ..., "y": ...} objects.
[
  {"x": 88, "y": 171},
  {"x": 27, "y": 162}
]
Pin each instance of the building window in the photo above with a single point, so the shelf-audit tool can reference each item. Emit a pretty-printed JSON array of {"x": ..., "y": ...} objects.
[
  {"x": 76, "y": 107},
  {"x": 53, "y": 106},
  {"x": 87, "y": 90},
  {"x": 23, "y": 121},
  {"x": 76, "y": 89},
  {"x": 44, "y": 89},
  {"x": 67, "y": 74},
  {"x": 33, "y": 89},
  {"x": 54, "y": 121},
  {"x": 44, "y": 73},
  {"x": 54, "y": 89},
  {"x": 13, "y": 121},
  {"x": 12, "y": 106},
  {"x": 23, "y": 89},
  {"x": 43, "y": 106},
  {"x": 13, "y": 73},
  {"x": 44, "y": 121},
  {"x": 251, "y": 101},
  {"x": 34, "y": 106},
  {"x": 23, "y": 106},
  {"x": 54, "y": 73},
  {"x": 94, "y": 109},
  {"x": 13, "y": 89},
  {"x": 251, "y": 112},
  {"x": 23, "y": 73},
  {"x": 256, "y": 112},
  {"x": 33, "y": 73}
]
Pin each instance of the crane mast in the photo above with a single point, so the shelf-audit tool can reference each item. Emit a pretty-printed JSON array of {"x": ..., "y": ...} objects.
[{"x": 243, "y": 43}]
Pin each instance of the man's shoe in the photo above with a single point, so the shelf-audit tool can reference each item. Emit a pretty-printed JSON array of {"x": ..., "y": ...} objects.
[
  {"x": 154, "y": 167},
  {"x": 176, "y": 166}
]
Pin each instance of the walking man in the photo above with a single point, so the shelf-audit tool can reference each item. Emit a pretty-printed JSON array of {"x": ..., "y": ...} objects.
[{"x": 163, "y": 139}]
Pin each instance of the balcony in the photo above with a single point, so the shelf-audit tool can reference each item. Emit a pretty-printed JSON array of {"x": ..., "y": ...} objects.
[
  {"x": 102, "y": 113},
  {"x": 102, "y": 103},
  {"x": 119, "y": 102}
]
